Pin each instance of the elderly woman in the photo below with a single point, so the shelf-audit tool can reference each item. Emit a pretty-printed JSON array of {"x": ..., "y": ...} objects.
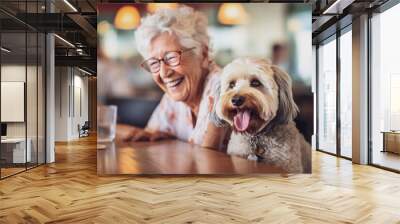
[{"x": 174, "y": 44}]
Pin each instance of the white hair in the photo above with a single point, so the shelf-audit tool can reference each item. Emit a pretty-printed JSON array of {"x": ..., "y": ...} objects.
[{"x": 188, "y": 25}]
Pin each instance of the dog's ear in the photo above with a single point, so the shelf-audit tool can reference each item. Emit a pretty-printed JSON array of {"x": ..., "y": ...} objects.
[
  {"x": 215, "y": 119},
  {"x": 287, "y": 109}
]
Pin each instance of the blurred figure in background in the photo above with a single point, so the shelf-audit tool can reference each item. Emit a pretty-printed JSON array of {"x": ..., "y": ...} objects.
[
  {"x": 301, "y": 94},
  {"x": 175, "y": 46},
  {"x": 280, "y": 56}
]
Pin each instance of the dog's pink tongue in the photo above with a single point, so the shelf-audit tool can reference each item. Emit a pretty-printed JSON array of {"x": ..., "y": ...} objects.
[{"x": 242, "y": 120}]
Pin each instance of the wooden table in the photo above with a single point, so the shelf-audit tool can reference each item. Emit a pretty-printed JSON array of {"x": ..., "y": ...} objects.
[{"x": 171, "y": 157}]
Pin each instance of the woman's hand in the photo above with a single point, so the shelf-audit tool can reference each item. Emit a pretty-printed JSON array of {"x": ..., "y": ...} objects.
[
  {"x": 216, "y": 137},
  {"x": 131, "y": 133}
]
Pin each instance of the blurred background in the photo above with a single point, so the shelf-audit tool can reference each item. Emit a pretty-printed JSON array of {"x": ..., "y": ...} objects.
[{"x": 278, "y": 32}]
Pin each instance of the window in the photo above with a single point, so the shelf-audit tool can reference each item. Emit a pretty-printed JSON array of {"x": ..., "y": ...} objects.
[
  {"x": 346, "y": 94},
  {"x": 22, "y": 75},
  {"x": 327, "y": 97},
  {"x": 385, "y": 89}
]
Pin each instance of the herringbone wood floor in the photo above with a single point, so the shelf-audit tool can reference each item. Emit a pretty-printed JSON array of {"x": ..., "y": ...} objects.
[{"x": 69, "y": 191}]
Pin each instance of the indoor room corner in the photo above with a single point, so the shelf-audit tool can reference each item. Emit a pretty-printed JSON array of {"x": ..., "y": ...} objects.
[
  {"x": 74, "y": 106},
  {"x": 48, "y": 84}
]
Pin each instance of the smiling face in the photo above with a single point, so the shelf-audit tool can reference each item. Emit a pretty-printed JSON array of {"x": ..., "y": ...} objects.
[
  {"x": 184, "y": 81},
  {"x": 249, "y": 95}
]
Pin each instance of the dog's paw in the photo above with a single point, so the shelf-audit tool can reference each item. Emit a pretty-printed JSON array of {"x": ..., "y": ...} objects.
[{"x": 252, "y": 157}]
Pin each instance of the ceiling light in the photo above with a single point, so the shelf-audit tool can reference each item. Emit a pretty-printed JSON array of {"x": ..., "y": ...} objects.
[
  {"x": 70, "y": 5},
  {"x": 84, "y": 71},
  {"x": 127, "y": 18},
  {"x": 232, "y": 14},
  {"x": 65, "y": 41},
  {"x": 5, "y": 50}
]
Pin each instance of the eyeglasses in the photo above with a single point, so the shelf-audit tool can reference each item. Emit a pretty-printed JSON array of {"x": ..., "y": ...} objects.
[{"x": 171, "y": 58}]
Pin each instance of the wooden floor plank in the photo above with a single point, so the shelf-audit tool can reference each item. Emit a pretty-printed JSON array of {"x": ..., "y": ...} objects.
[{"x": 69, "y": 191}]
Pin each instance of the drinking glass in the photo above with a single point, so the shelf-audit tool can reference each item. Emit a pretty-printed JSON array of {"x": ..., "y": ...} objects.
[{"x": 107, "y": 122}]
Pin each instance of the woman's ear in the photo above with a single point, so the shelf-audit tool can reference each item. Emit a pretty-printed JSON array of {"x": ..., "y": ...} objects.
[{"x": 205, "y": 59}]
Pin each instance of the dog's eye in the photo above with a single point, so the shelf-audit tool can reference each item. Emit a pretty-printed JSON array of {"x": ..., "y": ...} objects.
[
  {"x": 232, "y": 84},
  {"x": 255, "y": 83}
]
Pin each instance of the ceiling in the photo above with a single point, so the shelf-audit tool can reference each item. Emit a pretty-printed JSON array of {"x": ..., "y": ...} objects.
[
  {"x": 331, "y": 15},
  {"x": 77, "y": 24}
]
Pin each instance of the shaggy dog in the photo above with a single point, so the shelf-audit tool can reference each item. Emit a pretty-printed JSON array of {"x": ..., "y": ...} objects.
[{"x": 255, "y": 99}]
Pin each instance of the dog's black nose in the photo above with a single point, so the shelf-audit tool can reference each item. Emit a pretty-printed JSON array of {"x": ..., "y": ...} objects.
[{"x": 237, "y": 101}]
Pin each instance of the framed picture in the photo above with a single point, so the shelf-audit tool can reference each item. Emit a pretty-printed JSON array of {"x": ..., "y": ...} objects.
[{"x": 210, "y": 88}]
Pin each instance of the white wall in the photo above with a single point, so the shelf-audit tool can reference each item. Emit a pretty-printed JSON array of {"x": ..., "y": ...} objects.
[
  {"x": 71, "y": 93},
  {"x": 62, "y": 81},
  {"x": 33, "y": 126},
  {"x": 79, "y": 115},
  {"x": 12, "y": 73}
]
